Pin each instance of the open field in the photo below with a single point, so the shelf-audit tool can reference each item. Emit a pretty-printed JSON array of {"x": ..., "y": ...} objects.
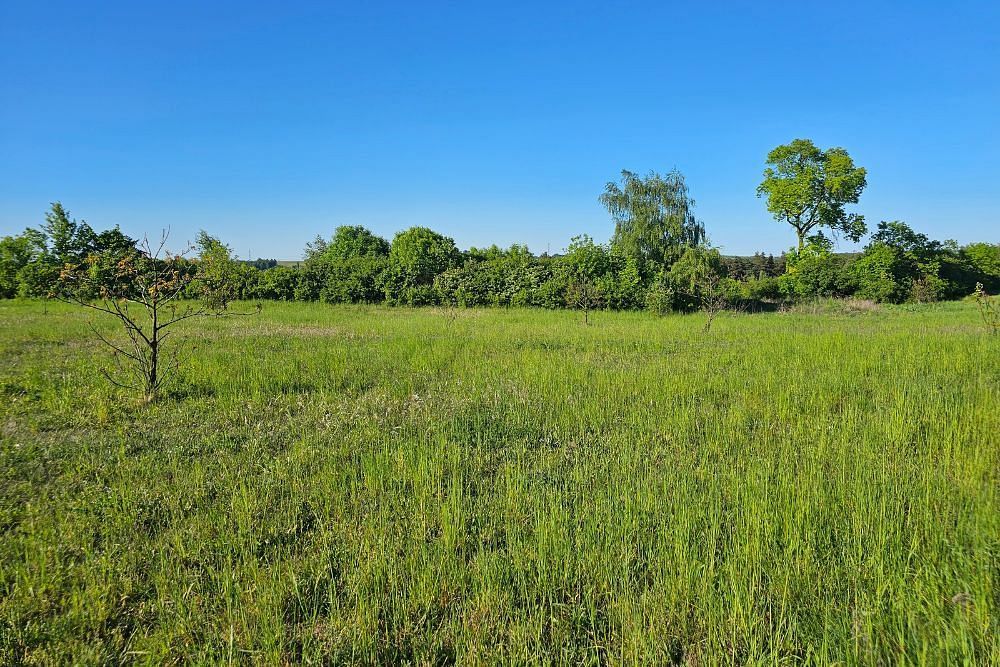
[{"x": 373, "y": 485}]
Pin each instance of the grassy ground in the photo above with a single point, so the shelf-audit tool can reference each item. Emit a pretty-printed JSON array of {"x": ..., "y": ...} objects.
[{"x": 370, "y": 485}]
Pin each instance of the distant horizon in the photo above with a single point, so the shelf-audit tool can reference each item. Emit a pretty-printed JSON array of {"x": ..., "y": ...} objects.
[{"x": 268, "y": 125}]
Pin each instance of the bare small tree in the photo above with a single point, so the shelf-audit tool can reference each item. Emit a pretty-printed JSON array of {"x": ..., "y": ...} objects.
[
  {"x": 582, "y": 294},
  {"x": 712, "y": 298},
  {"x": 698, "y": 284},
  {"x": 145, "y": 289},
  {"x": 989, "y": 309}
]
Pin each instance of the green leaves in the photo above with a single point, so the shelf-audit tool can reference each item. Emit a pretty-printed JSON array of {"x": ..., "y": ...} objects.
[
  {"x": 418, "y": 254},
  {"x": 808, "y": 188},
  {"x": 653, "y": 215},
  {"x": 219, "y": 275},
  {"x": 355, "y": 241}
]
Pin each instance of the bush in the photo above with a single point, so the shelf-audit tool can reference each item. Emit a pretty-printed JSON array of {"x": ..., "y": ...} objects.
[
  {"x": 353, "y": 280},
  {"x": 277, "y": 284},
  {"x": 37, "y": 279},
  {"x": 660, "y": 296},
  {"x": 416, "y": 257},
  {"x": 492, "y": 277},
  {"x": 691, "y": 278},
  {"x": 927, "y": 288},
  {"x": 813, "y": 271},
  {"x": 983, "y": 261},
  {"x": 552, "y": 292},
  {"x": 874, "y": 275},
  {"x": 902, "y": 265},
  {"x": 623, "y": 287},
  {"x": 761, "y": 288}
]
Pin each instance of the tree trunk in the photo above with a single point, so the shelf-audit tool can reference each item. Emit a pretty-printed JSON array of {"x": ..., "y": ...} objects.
[
  {"x": 154, "y": 353},
  {"x": 152, "y": 378}
]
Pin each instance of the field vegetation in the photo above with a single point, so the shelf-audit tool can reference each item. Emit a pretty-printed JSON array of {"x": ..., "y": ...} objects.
[{"x": 365, "y": 484}]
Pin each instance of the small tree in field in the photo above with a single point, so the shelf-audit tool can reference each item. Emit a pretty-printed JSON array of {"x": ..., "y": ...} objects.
[
  {"x": 582, "y": 294},
  {"x": 584, "y": 263},
  {"x": 989, "y": 309},
  {"x": 697, "y": 283},
  {"x": 713, "y": 298},
  {"x": 144, "y": 289}
]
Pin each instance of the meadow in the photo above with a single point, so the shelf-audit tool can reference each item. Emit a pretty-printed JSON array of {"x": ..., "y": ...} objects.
[{"x": 379, "y": 485}]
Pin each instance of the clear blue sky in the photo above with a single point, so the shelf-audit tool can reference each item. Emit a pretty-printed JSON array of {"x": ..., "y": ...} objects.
[{"x": 269, "y": 123}]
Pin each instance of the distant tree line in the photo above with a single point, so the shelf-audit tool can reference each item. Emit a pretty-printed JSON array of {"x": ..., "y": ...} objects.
[{"x": 658, "y": 257}]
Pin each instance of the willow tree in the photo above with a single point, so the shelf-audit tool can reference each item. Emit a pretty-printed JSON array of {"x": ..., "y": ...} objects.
[
  {"x": 653, "y": 215},
  {"x": 808, "y": 188}
]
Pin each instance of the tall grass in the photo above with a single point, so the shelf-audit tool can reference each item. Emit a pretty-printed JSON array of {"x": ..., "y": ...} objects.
[{"x": 370, "y": 485}]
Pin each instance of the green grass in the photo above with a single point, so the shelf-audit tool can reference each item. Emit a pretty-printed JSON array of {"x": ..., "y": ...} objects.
[{"x": 372, "y": 485}]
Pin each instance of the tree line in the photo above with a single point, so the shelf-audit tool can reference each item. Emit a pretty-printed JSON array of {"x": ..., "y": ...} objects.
[{"x": 658, "y": 257}]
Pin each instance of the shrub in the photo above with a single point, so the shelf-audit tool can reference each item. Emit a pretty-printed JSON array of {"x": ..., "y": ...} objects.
[
  {"x": 874, "y": 275},
  {"x": 927, "y": 288},
  {"x": 623, "y": 287},
  {"x": 983, "y": 260},
  {"x": 353, "y": 280},
  {"x": 660, "y": 295},
  {"x": 812, "y": 271},
  {"x": 417, "y": 255},
  {"x": 277, "y": 284},
  {"x": 690, "y": 279},
  {"x": 760, "y": 288},
  {"x": 16, "y": 252}
]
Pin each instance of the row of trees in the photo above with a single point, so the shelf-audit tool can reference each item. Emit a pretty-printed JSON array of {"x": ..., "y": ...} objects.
[{"x": 658, "y": 256}]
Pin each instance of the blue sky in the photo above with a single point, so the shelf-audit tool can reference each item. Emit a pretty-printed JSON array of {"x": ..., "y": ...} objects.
[{"x": 269, "y": 123}]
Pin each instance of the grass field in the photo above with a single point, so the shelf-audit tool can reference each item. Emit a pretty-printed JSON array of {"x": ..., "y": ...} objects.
[{"x": 371, "y": 485}]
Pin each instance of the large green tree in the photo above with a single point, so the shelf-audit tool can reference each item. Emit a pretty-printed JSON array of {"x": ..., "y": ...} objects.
[
  {"x": 417, "y": 255},
  {"x": 69, "y": 240},
  {"x": 808, "y": 188},
  {"x": 356, "y": 241},
  {"x": 653, "y": 215}
]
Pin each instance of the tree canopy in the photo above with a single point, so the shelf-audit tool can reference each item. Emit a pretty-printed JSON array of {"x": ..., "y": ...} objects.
[
  {"x": 808, "y": 188},
  {"x": 418, "y": 254},
  {"x": 356, "y": 241},
  {"x": 653, "y": 216}
]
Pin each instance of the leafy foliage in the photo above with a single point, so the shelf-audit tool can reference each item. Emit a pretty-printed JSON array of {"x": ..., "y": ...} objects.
[
  {"x": 809, "y": 188},
  {"x": 350, "y": 242},
  {"x": 144, "y": 289},
  {"x": 417, "y": 255},
  {"x": 653, "y": 216},
  {"x": 811, "y": 271},
  {"x": 983, "y": 261},
  {"x": 900, "y": 264},
  {"x": 16, "y": 253},
  {"x": 656, "y": 250}
]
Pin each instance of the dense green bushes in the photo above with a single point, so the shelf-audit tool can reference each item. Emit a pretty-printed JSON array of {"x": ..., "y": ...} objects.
[{"x": 423, "y": 267}]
